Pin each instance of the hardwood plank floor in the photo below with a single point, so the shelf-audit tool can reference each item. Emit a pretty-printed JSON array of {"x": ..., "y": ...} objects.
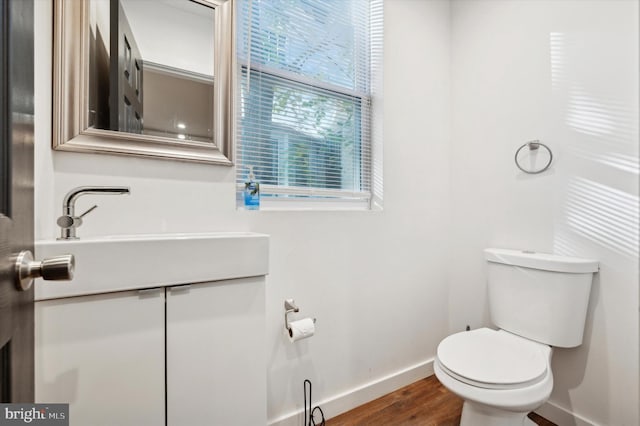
[{"x": 423, "y": 403}]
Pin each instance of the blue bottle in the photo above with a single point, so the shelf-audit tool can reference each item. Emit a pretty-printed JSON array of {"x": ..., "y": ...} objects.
[{"x": 251, "y": 192}]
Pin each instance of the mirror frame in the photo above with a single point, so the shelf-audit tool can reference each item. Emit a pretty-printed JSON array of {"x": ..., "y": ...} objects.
[{"x": 71, "y": 94}]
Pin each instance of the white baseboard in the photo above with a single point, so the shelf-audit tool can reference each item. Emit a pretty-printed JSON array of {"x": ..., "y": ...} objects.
[
  {"x": 562, "y": 416},
  {"x": 359, "y": 395}
]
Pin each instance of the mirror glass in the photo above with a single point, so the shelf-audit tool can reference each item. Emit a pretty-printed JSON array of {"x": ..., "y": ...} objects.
[
  {"x": 151, "y": 78},
  {"x": 151, "y": 68}
]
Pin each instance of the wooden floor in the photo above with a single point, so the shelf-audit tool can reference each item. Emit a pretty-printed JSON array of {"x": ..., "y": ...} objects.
[{"x": 423, "y": 403}]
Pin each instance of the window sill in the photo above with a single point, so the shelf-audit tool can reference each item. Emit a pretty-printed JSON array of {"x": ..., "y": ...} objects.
[{"x": 281, "y": 205}]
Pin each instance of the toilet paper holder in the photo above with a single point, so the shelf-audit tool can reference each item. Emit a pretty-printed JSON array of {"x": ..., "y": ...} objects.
[{"x": 290, "y": 307}]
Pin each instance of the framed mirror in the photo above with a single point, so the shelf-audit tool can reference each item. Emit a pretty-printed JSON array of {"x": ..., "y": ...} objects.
[{"x": 151, "y": 78}]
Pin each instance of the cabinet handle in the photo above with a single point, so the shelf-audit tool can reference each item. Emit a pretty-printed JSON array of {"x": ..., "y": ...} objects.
[
  {"x": 178, "y": 288},
  {"x": 147, "y": 291}
]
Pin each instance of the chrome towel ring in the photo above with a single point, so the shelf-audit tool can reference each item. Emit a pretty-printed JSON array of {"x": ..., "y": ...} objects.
[{"x": 534, "y": 146}]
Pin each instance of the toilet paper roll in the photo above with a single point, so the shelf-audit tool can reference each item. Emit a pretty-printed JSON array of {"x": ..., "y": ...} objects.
[{"x": 301, "y": 329}]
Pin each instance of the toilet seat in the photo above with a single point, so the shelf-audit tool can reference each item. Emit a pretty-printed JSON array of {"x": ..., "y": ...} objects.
[{"x": 492, "y": 359}]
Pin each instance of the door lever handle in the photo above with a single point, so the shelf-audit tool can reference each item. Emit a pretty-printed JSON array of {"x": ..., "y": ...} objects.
[{"x": 58, "y": 268}]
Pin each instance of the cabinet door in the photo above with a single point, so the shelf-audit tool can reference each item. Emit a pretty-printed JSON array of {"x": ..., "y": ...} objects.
[
  {"x": 216, "y": 354},
  {"x": 104, "y": 355}
]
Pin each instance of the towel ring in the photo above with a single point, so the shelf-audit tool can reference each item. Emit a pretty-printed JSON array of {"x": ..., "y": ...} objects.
[{"x": 533, "y": 146}]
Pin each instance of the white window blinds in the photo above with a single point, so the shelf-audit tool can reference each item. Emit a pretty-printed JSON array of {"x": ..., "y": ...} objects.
[{"x": 304, "y": 110}]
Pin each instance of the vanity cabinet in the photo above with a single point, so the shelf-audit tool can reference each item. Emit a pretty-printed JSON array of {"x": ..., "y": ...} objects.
[
  {"x": 216, "y": 367},
  {"x": 106, "y": 355}
]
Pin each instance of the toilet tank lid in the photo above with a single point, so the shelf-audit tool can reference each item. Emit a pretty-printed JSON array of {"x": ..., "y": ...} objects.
[{"x": 543, "y": 261}]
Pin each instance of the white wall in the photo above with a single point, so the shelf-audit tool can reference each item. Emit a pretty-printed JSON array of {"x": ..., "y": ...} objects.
[
  {"x": 564, "y": 72},
  {"x": 375, "y": 280}
]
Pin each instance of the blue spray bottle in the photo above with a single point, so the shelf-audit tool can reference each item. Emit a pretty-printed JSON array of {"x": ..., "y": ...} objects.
[{"x": 251, "y": 192}]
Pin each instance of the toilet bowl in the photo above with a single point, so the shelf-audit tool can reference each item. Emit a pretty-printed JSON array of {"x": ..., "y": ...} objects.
[
  {"x": 501, "y": 376},
  {"x": 536, "y": 301}
]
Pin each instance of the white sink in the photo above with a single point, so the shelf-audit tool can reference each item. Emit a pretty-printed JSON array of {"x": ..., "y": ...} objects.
[{"x": 130, "y": 262}]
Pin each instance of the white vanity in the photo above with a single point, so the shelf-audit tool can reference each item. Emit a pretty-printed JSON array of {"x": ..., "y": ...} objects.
[{"x": 156, "y": 328}]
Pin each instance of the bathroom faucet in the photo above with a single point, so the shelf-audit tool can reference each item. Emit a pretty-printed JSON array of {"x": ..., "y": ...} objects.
[{"x": 68, "y": 222}]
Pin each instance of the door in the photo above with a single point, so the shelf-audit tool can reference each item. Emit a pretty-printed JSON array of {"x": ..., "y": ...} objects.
[
  {"x": 125, "y": 74},
  {"x": 16, "y": 197}
]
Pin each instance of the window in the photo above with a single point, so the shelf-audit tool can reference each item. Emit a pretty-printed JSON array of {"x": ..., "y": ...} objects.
[{"x": 306, "y": 97}]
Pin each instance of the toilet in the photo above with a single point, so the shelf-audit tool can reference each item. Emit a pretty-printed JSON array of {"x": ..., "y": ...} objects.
[{"x": 537, "y": 301}]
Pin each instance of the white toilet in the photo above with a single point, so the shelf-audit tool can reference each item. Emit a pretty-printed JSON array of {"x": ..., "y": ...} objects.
[{"x": 537, "y": 300}]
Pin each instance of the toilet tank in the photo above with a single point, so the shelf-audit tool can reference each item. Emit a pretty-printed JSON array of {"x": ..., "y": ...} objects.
[{"x": 540, "y": 296}]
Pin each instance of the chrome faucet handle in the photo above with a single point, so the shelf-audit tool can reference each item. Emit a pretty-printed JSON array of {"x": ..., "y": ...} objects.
[
  {"x": 71, "y": 222},
  {"x": 66, "y": 221},
  {"x": 95, "y": 206}
]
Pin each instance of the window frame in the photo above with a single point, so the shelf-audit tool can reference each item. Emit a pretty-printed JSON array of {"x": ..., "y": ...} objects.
[{"x": 280, "y": 197}]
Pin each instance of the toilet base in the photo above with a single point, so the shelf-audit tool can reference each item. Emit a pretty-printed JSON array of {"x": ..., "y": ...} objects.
[{"x": 474, "y": 414}]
